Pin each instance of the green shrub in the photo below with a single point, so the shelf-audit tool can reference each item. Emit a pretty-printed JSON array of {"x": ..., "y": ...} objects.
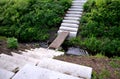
[
  {"x": 30, "y": 20},
  {"x": 100, "y": 27},
  {"x": 12, "y": 43}
]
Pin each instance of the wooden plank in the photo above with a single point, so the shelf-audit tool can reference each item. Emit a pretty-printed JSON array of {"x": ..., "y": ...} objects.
[{"x": 59, "y": 40}]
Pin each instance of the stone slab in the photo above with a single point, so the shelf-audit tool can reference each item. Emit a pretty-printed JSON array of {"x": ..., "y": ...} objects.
[
  {"x": 70, "y": 25},
  {"x": 77, "y": 7},
  {"x": 71, "y": 18},
  {"x": 74, "y": 9},
  {"x": 76, "y": 51},
  {"x": 71, "y": 21},
  {"x": 26, "y": 58},
  {"x": 34, "y": 72},
  {"x": 69, "y": 29},
  {"x": 68, "y": 68},
  {"x": 4, "y": 74},
  {"x": 74, "y": 12},
  {"x": 19, "y": 62},
  {"x": 71, "y": 34},
  {"x": 44, "y": 51},
  {"x": 73, "y": 15},
  {"x": 8, "y": 65}
]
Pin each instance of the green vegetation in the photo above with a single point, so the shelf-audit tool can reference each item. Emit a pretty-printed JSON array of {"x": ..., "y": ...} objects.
[
  {"x": 102, "y": 75},
  {"x": 30, "y": 20},
  {"x": 100, "y": 28},
  {"x": 12, "y": 43}
]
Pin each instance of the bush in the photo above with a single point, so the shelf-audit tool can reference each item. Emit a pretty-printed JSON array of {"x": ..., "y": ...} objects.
[
  {"x": 100, "y": 27},
  {"x": 12, "y": 43},
  {"x": 30, "y": 20}
]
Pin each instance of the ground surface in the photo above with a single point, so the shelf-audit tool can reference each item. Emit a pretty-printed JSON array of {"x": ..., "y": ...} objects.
[{"x": 103, "y": 67}]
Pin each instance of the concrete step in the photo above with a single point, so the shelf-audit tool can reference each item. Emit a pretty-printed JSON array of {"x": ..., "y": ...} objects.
[
  {"x": 4, "y": 74},
  {"x": 77, "y": 1},
  {"x": 77, "y": 4},
  {"x": 45, "y": 51},
  {"x": 39, "y": 53},
  {"x": 70, "y": 29},
  {"x": 71, "y": 21},
  {"x": 74, "y": 12},
  {"x": 70, "y": 25},
  {"x": 71, "y": 34},
  {"x": 34, "y": 72},
  {"x": 19, "y": 62},
  {"x": 73, "y": 15},
  {"x": 26, "y": 58},
  {"x": 10, "y": 66},
  {"x": 65, "y": 67},
  {"x": 71, "y": 18},
  {"x": 77, "y": 7},
  {"x": 74, "y": 9}
]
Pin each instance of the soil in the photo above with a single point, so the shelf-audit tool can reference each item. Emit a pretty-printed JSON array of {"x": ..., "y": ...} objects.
[{"x": 103, "y": 68}]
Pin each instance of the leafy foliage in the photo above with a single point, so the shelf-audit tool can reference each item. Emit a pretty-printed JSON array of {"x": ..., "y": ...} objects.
[
  {"x": 100, "y": 28},
  {"x": 12, "y": 43},
  {"x": 30, "y": 20}
]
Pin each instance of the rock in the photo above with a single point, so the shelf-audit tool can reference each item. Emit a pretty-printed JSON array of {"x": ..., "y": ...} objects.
[{"x": 76, "y": 51}]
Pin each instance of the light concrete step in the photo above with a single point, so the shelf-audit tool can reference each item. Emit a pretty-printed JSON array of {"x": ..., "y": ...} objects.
[
  {"x": 4, "y": 74},
  {"x": 71, "y": 34},
  {"x": 17, "y": 61},
  {"x": 45, "y": 51},
  {"x": 76, "y": 1},
  {"x": 71, "y": 21},
  {"x": 73, "y": 15},
  {"x": 77, "y": 4},
  {"x": 68, "y": 68},
  {"x": 77, "y": 7},
  {"x": 74, "y": 12},
  {"x": 10, "y": 66},
  {"x": 70, "y": 29},
  {"x": 71, "y": 18},
  {"x": 74, "y": 9},
  {"x": 70, "y": 25},
  {"x": 39, "y": 53},
  {"x": 26, "y": 58},
  {"x": 34, "y": 72}
]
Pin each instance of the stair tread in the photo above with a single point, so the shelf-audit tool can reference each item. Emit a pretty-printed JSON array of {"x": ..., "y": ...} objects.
[
  {"x": 65, "y": 67},
  {"x": 5, "y": 74},
  {"x": 34, "y": 72}
]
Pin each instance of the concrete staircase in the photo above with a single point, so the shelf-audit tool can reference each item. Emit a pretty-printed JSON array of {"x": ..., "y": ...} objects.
[
  {"x": 39, "y": 64},
  {"x": 72, "y": 18}
]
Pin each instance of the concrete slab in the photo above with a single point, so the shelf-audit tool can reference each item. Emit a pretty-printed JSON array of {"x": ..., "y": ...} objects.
[
  {"x": 71, "y": 18},
  {"x": 26, "y": 58},
  {"x": 73, "y": 15},
  {"x": 71, "y": 21},
  {"x": 70, "y": 29},
  {"x": 19, "y": 62},
  {"x": 77, "y": 4},
  {"x": 68, "y": 68},
  {"x": 4, "y": 74},
  {"x": 74, "y": 12},
  {"x": 74, "y": 9},
  {"x": 34, "y": 72},
  {"x": 71, "y": 34},
  {"x": 8, "y": 65},
  {"x": 45, "y": 51},
  {"x": 70, "y": 25}
]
